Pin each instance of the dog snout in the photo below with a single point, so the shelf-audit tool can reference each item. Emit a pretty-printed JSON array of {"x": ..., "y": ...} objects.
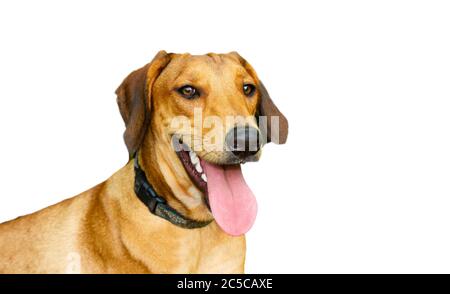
[{"x": 243, "y": 141}]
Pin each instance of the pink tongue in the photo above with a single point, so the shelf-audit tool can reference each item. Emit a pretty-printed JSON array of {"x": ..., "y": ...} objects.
[{"x": 232, "y": 202}]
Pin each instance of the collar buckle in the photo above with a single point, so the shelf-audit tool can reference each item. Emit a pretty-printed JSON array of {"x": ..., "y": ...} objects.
[{"x": 153, "y": 203}]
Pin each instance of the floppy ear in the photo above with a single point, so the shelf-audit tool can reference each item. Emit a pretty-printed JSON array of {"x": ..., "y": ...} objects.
[
  {"x": 277, "y": 134},
  {"x": 276, "y": 125},
  {"x": 134, "y": 100}
]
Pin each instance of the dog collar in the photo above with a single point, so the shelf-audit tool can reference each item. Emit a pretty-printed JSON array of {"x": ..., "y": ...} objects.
[{"x": 158, "y": 205}]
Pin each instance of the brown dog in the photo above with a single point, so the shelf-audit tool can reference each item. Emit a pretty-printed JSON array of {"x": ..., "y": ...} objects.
[{"x": 177, "y": 206}]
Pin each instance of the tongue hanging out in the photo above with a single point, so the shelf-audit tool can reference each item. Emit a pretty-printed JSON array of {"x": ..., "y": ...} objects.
[{"x": 233, "y": 204}]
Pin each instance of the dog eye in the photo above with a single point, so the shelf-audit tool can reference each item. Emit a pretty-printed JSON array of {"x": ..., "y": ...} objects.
[
  {"x": 188, "y": 92},
  {"x": 249, "y": 90}
]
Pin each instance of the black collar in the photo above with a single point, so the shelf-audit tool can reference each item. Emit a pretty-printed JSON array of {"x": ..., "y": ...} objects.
[{"x": 158, "y": 205}]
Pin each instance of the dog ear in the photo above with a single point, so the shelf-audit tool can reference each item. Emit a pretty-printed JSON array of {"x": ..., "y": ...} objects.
[
  {"x": 270, "y": 119},
  {"x": 134, "y": 100},
  {"x": 275, "y": 133}
]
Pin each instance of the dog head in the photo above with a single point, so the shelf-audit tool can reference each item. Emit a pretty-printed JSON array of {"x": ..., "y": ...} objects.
[{"x": 204, "y": 115}]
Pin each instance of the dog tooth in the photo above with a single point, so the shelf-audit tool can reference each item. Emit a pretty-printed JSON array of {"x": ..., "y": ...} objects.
[
  {"x": 194, "y": 158},
  {"x": 198, "y": 167},
  {"x": 204, "y": 178}
]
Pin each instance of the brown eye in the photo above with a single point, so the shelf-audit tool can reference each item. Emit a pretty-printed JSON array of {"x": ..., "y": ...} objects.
[
  {"x": 188, "y": 92},
  {"x": 248, "y": 89}
]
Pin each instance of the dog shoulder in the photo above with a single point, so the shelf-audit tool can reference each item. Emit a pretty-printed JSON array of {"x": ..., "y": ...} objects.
[{"x": 44, "y": 241}]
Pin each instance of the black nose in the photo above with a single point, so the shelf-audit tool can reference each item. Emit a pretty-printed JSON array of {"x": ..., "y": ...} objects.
[{"x": 243, "y": 141}]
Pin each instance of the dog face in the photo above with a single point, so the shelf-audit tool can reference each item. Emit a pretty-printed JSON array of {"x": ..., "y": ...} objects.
[
  {"x": 212, "y": 111},
  {"x": 204, "y": 102},
  {"x": 222, "y": 87}
]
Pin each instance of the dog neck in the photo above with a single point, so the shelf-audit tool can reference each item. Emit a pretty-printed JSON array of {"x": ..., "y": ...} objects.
[{"x": 157, "y": 205}]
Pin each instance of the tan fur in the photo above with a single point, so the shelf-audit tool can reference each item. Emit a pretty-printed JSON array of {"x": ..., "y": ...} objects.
[{"x": 107, "y": 229}]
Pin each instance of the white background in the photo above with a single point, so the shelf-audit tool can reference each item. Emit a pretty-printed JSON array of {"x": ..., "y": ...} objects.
[{"x": 362, "y": 186}]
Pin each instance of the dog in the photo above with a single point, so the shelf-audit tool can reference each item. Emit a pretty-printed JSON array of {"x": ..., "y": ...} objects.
[{"x": 176, "y": 206}]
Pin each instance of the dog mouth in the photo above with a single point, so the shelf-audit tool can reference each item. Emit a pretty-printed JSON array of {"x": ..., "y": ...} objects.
[
  {"x": 192, "y": 165},
  {"x": 225, "y": 191}
]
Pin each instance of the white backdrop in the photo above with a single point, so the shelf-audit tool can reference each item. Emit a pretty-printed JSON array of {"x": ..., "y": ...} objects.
[{"x": 362, "y": 185}]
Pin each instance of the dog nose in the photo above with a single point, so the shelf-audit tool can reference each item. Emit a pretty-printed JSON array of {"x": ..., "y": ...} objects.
[{"x": 243, "y": 141}]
